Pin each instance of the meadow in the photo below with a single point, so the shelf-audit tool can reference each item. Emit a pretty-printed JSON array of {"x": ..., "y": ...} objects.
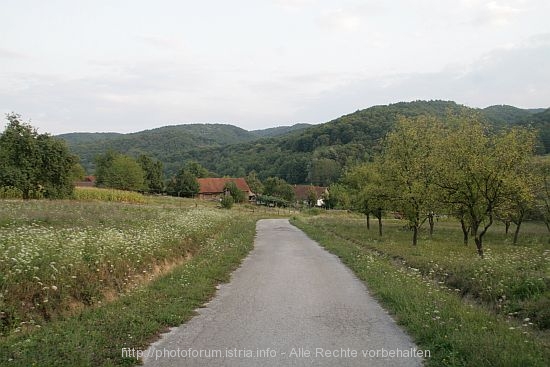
[
  {"x": 468, "y": 311},
  {"x": 56, "y": 256}
]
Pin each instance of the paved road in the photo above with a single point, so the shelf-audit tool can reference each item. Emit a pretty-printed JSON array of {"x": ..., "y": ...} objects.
[{"x": 291, "y": 303}]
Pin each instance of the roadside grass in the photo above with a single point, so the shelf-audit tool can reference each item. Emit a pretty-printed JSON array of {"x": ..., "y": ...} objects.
[
  {"x": 96, "y": 335},
  {"x": 420, "y": 285},
  {"x": 58, "y": 257}
]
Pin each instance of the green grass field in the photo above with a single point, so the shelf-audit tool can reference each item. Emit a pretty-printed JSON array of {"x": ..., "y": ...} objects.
[
  {"x": 468, "y": 311},
  {"x": 80, "y": 280}
]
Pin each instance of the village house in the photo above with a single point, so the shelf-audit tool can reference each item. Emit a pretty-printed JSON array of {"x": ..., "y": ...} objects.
[
  {"x": 301, "y": 194},
  {"x": 89, "y": 181},
  {"x": 213, "y": 188}
]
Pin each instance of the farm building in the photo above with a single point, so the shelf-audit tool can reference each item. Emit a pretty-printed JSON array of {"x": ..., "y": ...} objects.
[
  {"x": 302, "y": 192},
  {"x": 89, "y": 181},
  {"x": 213, "y": 188}
]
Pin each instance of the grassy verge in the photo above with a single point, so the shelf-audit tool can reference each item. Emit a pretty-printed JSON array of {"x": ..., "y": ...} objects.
[
  {"x": 96, "y": 336},
  {"x": 457, "y": 332}
]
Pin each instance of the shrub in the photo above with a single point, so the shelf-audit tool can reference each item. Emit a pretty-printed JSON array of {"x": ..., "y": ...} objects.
[
  {"x": 227, "y": 202},
  {"x": 10, "y": 192}
]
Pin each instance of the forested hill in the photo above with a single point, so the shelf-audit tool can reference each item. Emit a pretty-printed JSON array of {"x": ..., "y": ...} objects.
[
  {"x": 315, "y": 154},
  {"x": 318, "y": 154},
  {"x": 279, "y": 130},
  {"x": 167, "y": 144}
]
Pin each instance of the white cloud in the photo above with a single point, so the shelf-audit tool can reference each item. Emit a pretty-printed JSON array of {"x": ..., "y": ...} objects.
[
  {"x": 340, "y": 20},
  {"x": 293, "y": 5},
  {"x": 493, "y": 13},
  {"x": 9, "y": 54}
]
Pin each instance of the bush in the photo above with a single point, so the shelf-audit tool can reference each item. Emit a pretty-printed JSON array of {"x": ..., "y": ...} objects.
[
  {"x": 227, "y": 202},
  {"x": 10, "y": 192}
]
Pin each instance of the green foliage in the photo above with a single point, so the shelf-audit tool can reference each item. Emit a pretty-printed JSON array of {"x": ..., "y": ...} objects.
[
  {"x": 478, "y": 172},
  {"x": 37, "y": 164},
  {"x": 197, "y": 170},
  {"x": 154, "y": 176},
  {"x": 311, "y": 197},
  {"x": 170, "y": 144},
  {"x": 339, "y": 197},
  {"x": 324, "y": 171},
  {"x": 254, "y": 183},
  {"x": 407, "y": 169},
  {"x": 77, "y": 172},
  {"x": 10, "y": 192},
  {"x": 236, "y": 194},
  {"x": 317, "y": 154},
  {"x": 118, "y": 171},
  {"x": 278, "y": 187},
  {"x": 183, "y": 184},
  {"x": 542, "y": 193},
  {"x": 227, "y": 201},
  {"x": 272, "y": 201}
]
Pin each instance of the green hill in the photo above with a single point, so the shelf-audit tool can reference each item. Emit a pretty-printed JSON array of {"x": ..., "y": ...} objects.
[
  {"x": 506, "y": 115},
  {"x": 280, "y": 130},
  {"x": 319, "y": 153},
  {"x": 83, "y": 138},
  {"x": 301, "y": 153},
  {"x": 166, "y": 143}
]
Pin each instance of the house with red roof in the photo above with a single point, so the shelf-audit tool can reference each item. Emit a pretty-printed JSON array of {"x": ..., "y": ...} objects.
[
  {"x": 89, "y": 181},
  {"x": 302, "y": 192},
  {"x": 212, "y": 188}
]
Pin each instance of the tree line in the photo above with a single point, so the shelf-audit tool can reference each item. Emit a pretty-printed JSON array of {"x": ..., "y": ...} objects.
[{"x": 458, "y": 166}]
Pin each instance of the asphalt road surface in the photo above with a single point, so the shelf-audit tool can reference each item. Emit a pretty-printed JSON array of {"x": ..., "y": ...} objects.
[{"x": 291, "y": 303}]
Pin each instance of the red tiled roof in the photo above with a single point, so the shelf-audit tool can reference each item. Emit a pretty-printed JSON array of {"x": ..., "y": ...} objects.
[
  {"x": 215, "y": 185},
  {"x": 301, "y": 191}
]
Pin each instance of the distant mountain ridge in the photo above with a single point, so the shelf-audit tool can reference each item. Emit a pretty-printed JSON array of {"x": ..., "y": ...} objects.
[{"x": 301, "y": 153}]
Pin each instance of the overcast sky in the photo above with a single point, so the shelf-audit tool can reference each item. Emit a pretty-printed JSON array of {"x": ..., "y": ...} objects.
[{"x": 108, "y": 65}]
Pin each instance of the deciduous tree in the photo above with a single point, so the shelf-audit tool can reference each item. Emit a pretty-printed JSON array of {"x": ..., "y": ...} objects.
[
  {"x": 36, "y": 164},
  {"x": 407, "y": 169},
  {"x": 478, "y": 170}
]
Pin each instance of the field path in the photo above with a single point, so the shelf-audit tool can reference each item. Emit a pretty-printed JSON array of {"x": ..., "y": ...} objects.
[{"x": 289, "y": 298}]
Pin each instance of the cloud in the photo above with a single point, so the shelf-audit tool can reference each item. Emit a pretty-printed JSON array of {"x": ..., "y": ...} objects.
[
  {"x": 294, "y": 5},
  {"x": 9, "y": 54},
  {"x": 340, "y": 20},
  {"x": 495, "y": 14},
  {"x": 160, "y": 42},
  {"x": 516, "y": 76}
]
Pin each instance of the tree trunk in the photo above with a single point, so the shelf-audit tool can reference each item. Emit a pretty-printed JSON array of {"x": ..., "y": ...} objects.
[
  {"x": 415, "y": 235},
  {"x": 479, "y": 237},
  {"x": 431, "y": 222},
  {"x": 465, "y": 230},
  {"x": 479, "y": 245},
  {"x": 516, "y": 233},
  {"x": 368, "y": 221},
  {"x": 379, "y": 216},
  {"x": 507, "y": 226}
]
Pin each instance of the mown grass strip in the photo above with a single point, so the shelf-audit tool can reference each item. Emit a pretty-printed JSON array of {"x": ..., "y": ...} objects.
[
  {"x": 97, "y": 335},
  {"x": 456, "y": 333}
]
